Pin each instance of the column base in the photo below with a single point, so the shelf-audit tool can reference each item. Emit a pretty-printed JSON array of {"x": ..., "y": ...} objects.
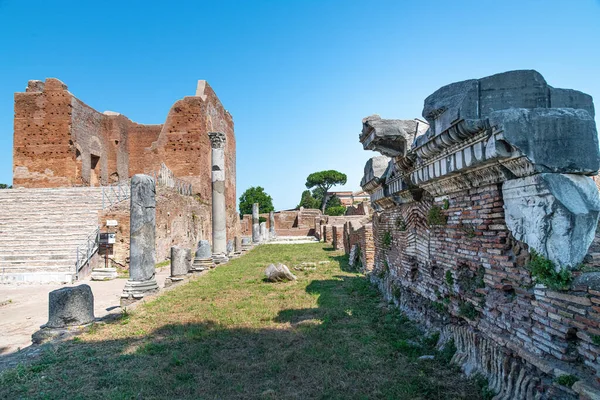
[
  {"x": 220, "y": 258},
  {"x": 172, "y": 280},
  {"x": 136, "y": 290},
  {"x": 202, "y": 264}
]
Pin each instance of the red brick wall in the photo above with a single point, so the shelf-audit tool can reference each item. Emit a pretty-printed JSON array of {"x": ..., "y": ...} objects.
[
  {"x": 43, "y": 152},
  {"x": 180, "y": 221},
  {"x": 473, "y": 262},
  {"x": 57, "y": 136}
]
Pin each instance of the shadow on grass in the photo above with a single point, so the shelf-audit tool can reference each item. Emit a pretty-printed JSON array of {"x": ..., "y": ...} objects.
[{"x": 349, "y": 346}]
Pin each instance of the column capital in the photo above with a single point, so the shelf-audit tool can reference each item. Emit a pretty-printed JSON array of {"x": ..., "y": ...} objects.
[{"x": 217, "y": 140}]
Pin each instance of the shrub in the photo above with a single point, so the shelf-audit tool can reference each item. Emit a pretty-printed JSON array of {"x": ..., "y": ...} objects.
[
  {"x": 467, "y": 310},
  {"x": 401, "y": 224},
  {"x": 446, "y": 204},
  {"x": 335, "y": 211},
  {"x": 449, "y": 278},
  {"x": 387, "y": 240},
  {"x": 544, "y": 271},
  {"x": 436, "y": 216},
  {"x": 261, "y": 219},
  {"x": 448, "y": 351},
  {"x": 469, "y": 230},
  {"x": 566, "y": 380},
  {"x": 438, "y": 307}
]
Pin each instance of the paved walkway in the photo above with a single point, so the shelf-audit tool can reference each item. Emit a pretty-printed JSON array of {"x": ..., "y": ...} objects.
[{"x": 24, "y": 308}]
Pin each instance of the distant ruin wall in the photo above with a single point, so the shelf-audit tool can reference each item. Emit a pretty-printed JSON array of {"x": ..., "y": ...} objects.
[
  {"x": 287, "y": 223},
  {"x": 499, "y": 169}
]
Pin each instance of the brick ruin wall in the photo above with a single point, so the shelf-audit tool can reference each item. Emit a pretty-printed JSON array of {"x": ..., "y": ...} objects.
[
  {"x": 59, "y": 141},
  {"x": 180, "y": 221},
  {"x": 444, "y": 248},
  {"x": 287, "y": 223}
]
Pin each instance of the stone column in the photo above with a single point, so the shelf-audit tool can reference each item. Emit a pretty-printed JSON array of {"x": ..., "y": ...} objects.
[
  {"x": 272, "y": 233},
  {"x": 142, "y": 251},
  {"x": 255, "y": 224},
  {"x": 264, "y": 234},
  {"x": 181, "y": 260},
  {"x": 70, "y": 311},
  {"x": 219, "y": 215}
]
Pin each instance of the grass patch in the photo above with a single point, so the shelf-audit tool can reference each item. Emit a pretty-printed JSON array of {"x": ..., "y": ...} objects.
[
  {"x": 230, "y": 335},
  {"x": 163, "y": 264}
]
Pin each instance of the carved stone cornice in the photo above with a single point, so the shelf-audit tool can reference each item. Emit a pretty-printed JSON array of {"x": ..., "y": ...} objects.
[{"x": 457, "y": 133}]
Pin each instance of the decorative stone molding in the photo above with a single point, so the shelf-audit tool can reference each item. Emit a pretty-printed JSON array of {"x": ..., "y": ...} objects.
[{"x": 217, "y": 140}]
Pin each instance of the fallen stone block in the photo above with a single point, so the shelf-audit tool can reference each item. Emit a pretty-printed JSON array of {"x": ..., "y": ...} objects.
[{"x": 279, "y": 273}]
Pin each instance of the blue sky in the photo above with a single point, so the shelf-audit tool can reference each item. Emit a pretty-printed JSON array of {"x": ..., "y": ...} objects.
[{"x": 297, "y": 76}]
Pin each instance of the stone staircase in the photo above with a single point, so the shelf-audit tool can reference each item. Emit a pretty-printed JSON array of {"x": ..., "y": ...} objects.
[{"x": 40, "y": 230}]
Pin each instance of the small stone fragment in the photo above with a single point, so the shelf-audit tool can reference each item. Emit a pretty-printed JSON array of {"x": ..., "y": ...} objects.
[{"x": 279, "y": 273}]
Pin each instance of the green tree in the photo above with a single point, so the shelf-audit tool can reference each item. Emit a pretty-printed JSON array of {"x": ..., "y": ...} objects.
[
  {"x": 255, "y": 195},
  {"x": 308, "y": 201},
  {"x": 5, "y": 186},
  {"x": 334, "y": 206},
  {"x": 325, "y": 180}
]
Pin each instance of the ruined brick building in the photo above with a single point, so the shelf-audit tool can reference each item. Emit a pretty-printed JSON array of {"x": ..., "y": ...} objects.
[
  {"x": 484, "y": 216},
  {"x": 60, "y": 142}
]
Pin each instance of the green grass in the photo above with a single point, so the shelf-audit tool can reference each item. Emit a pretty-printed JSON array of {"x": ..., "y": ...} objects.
[{"x": 231, "y": 335}]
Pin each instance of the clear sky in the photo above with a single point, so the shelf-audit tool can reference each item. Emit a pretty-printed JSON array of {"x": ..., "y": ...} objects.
[{"x": 297, "y": 76}]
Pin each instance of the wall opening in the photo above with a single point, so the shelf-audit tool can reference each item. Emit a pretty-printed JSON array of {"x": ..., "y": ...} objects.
[{"x": 94, "y": 170}]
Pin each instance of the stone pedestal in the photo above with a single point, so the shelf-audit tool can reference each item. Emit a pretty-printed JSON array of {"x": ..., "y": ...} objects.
[
  {"x": 246, "y": 244},
  {"x": 70, "y": 306},
  {"x": 181, "y": 260},
  {"x": 70, "y": 311},
  {"x": 219, "y": 216},
  {"x": 104, "y": 274},
  {"x": 237, "y": 246},
  {"x": 255, "y": 224},
  {"x": 264, "y": 234},
  {"x": 203, "y": 257},
  {"x": 142, "y": 239}
]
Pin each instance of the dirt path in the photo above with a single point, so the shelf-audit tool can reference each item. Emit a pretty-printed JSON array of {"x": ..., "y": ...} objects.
[{"x": 24, "y": 308}]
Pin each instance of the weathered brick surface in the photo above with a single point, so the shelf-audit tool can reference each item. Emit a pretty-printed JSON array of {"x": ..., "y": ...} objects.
[
  {"x": 59, "y": 141},
  {"x": 473, "y": 259},
  {"x": 287, "y": 223},
  {"x": 180, "y": 220}
]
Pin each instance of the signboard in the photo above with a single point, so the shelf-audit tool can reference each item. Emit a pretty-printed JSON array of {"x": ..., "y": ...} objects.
[
  {"x": 108, "y": 238},
  {"x": 111, "y": 222}
]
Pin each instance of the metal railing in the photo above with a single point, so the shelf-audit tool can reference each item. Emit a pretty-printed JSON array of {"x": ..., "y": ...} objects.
[
  {"x": 121, "y": 191},
  {"x": 115, "y": 193},
  {"x": 86, "y": 250},
  {"x": 165, "y": 177}
]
